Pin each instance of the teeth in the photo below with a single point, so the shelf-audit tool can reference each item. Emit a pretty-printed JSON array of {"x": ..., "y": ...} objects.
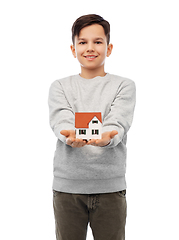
[{"x": 90, "y": 56}]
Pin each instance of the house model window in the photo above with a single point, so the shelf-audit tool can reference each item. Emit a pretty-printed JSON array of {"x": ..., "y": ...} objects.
[
  {"x": 94, "y": 121},
  {"x": 96, "y": 131},
  {"x": 82, "y": 132},
  {"x": 88, "y": 125}
]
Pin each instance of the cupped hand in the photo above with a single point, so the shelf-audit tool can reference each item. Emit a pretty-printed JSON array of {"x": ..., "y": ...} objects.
[
  {"x": 71, "y": 139},
  {"x": 105, "y": 140}
]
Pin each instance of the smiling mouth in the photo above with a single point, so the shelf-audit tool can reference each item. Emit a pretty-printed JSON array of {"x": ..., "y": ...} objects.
[{"x": 91, "y": 57}]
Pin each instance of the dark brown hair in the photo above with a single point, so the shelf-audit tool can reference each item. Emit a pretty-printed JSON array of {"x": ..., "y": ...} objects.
[{"x": 88, "y": 20}]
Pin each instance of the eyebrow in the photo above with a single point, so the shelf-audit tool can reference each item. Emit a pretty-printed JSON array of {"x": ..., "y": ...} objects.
[{"x": 98, "y": 38}]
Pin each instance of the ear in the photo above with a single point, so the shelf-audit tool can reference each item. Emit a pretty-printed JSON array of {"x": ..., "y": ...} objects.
[
  {"x": 73, "y": 50},
  {"x": 109, "y": 50}
]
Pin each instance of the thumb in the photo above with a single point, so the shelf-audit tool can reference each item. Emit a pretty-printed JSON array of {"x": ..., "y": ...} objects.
[
  {"x": 113, "y": 133},
  {"x": 65, "y": 133}
]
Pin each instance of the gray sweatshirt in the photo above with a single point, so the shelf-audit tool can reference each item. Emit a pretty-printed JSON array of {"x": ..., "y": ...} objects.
[{"x": 91, "y": 169}]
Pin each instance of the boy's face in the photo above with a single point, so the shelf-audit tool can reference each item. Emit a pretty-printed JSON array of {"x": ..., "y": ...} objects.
[{"x": 91, "y": 47}]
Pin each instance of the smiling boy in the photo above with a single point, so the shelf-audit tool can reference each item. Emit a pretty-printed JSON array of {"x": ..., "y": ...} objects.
[
  {"x": 91, "y": 48},
  {"x": 89, "y": 177}
]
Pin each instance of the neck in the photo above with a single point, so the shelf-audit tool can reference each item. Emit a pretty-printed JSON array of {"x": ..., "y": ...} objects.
[{"x": 92, "y": 73}]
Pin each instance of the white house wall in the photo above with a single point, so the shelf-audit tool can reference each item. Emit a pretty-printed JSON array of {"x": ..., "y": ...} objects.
[
  {"x": 92, "y": 126},
  {"x": 95, "y": 126}
]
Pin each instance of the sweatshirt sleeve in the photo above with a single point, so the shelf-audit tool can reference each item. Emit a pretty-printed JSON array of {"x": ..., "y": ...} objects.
[
  {"x": 60, "y": 111},
  {"x": 121, "y": 113}
]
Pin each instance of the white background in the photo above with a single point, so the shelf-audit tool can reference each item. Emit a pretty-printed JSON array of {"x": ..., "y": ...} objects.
[{"x": 34, "y": 51}]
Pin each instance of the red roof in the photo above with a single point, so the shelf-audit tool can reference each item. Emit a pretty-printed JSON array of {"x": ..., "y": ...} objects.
[{"x": 82, "y": 119}]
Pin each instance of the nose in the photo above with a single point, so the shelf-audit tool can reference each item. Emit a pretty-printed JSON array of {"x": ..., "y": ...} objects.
[{"x": 90, "y": 47}]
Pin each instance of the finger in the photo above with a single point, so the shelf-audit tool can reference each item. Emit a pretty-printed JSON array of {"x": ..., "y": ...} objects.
[
  {"x": 78, "y": 143},
  {"x": 91, "y": 142},
  {"x": 81, "y": 144},
  {"x": 102, "y": 142},
  {"x": 74, "y": 145},
  {"x": 113, "y": 133},
  {"x": 65, "y": 133},
  {"x": 69, "y": 141},
  {"x": 98, "y": 141}
]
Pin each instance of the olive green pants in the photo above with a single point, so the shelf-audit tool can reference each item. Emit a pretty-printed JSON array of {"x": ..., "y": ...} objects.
[{"x": 105, "y": 213}]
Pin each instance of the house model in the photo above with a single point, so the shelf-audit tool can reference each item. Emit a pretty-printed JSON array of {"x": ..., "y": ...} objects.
[{"x": 88, "y": 125}]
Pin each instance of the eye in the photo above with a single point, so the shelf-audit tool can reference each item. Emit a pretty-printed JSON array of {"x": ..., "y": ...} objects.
[
  {"x": 98, "y": 42},
  {"x": 82, "y": 43}
]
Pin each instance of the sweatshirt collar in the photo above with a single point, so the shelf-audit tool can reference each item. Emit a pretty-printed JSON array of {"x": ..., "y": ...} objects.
[{"x": 97, "y": 77}]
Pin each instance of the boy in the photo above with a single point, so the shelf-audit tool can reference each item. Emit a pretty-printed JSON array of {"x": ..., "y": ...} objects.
[{"x": 89, "y": 176}]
